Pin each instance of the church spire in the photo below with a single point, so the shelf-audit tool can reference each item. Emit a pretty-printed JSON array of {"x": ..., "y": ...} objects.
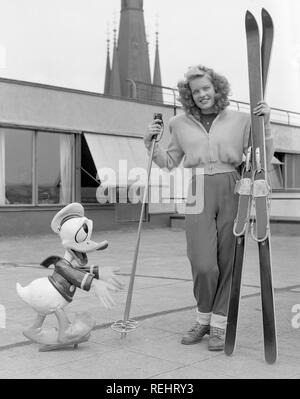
[
  {"x": 115, "y": 86},
  {"x": 157, "y": 92},
  {"x": 108, "y": 67},
  {"x": 131, "y": 61},
  {"x": 134, "y": 61}
]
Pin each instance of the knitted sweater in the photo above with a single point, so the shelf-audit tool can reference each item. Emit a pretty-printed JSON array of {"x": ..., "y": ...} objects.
[{"x": 219, "y": 151}]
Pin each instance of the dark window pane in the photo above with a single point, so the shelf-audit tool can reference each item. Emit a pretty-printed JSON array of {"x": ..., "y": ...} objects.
[
  {"x": 89, "y": 182},
  {"x": 16, "y": 145}
]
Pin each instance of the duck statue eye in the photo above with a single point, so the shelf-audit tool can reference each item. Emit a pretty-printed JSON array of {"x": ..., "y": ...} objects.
[{"x": 82, "y": 233}]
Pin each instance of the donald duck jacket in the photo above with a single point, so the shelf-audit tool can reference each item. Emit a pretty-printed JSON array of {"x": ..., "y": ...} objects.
[{"x": 66, "y": 277}]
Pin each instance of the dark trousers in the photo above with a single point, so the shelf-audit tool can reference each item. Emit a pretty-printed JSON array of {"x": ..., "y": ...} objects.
[{"x": 210, "y": 243}]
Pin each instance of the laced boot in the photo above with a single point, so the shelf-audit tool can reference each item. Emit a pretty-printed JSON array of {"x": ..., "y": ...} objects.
[
  {"x": 216, "y": 339},
  {"x": 195, "y": 334}
]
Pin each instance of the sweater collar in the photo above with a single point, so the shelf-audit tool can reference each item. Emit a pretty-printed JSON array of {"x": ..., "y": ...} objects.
[{"x": 219, "y": 115}]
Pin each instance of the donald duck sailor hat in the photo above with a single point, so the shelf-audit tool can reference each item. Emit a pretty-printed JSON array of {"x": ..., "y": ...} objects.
[{"x": 74, "y": 210}]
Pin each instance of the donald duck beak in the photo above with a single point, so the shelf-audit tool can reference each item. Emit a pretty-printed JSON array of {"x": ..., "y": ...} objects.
[
  {"x": 79, "y": 251},
  {"x": 87, "y": 246}
]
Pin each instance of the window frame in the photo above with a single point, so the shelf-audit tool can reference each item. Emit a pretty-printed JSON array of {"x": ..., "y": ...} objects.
[
  {"x": 286, "y": 189},
  {"x": 75, "y": 165}
]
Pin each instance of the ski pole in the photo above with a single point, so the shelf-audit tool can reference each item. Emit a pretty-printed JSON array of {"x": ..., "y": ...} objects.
[{"x": 127, "y": 325}]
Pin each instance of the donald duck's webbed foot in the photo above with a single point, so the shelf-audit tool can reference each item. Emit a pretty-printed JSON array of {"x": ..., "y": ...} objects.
[
  {"x": 70, "y": 334},
  {"x": 68, "y": 345}
]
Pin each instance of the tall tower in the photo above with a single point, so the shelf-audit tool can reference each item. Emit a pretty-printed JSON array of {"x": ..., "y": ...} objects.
[
  {"x": 132, "y": 47},
  {"x": 131, "y": 55}
]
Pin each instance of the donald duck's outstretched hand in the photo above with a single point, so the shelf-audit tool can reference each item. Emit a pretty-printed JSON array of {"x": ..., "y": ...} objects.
[
  {"x": 101, "y": 289},
  {"x": 53, "y": 294}
]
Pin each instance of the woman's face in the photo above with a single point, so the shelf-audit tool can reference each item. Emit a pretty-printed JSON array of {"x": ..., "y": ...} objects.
[{"x": 203, "y": 93}]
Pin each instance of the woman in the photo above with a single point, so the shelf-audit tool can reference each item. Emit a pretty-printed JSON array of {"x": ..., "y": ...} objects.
[{"x": 210, "y": 136}]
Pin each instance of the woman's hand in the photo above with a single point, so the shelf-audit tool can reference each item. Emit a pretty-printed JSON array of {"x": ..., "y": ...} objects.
[
  {"x": 153, "y": 130},
  {"x": 262, "y": 108}
]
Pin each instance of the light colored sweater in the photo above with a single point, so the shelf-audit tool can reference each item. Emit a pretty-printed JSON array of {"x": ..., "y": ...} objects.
[{"x": 219, "y": 151}]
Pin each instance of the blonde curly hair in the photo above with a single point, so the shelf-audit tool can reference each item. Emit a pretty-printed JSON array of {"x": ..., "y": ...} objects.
[{"x": 220, "y": 83}]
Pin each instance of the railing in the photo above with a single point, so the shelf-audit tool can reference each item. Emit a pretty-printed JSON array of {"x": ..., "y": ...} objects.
[
  {"x": 148, "y": 92},
  {"x": 169, "y": 96},
  {"x": 278, "y": 114}
]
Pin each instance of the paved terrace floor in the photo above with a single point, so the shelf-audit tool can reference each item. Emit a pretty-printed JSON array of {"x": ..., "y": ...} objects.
[{"x": 162, "y": 303}]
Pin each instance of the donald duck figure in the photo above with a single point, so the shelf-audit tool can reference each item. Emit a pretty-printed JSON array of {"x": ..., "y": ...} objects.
[{"x": 50, "y": 295}]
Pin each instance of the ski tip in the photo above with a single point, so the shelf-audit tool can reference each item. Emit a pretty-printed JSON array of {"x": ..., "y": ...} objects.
[
  {"x": 266, "y": 16},
  {"x": 265, "y": 13},
  {"x": 250, "y": 21},
  {"x": 249, "y": 14}
]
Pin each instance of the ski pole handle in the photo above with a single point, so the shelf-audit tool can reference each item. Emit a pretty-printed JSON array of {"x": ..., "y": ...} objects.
[{"x": 159, "y": 120}]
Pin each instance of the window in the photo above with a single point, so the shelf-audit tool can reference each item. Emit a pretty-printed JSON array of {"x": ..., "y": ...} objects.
[
  {"x": 284, "y": 173},
  {"x": 292, "y": 169},
  {"x": 276, "y": 171},
  {"x": 112, "y": 161},
  {"x": 16, "y": 166},
  {"x": 89, "y": 181},
  {"x": 36, "y": 167},
  {"x": 55, "y": 168}
]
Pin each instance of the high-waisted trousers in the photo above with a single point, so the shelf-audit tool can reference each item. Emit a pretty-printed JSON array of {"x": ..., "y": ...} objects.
[{"x": 210, "y": 243}]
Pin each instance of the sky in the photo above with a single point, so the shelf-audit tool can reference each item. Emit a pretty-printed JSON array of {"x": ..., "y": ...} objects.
[{"x": 63, "y": 42}]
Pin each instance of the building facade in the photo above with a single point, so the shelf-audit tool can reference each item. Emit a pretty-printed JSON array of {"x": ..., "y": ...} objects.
[
  {"x": 59, "y": 145},
  {"x": 56, "y": 143}
]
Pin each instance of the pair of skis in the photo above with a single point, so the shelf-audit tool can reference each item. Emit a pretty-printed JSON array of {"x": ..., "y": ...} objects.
[{"x": 253, "y": 186}]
